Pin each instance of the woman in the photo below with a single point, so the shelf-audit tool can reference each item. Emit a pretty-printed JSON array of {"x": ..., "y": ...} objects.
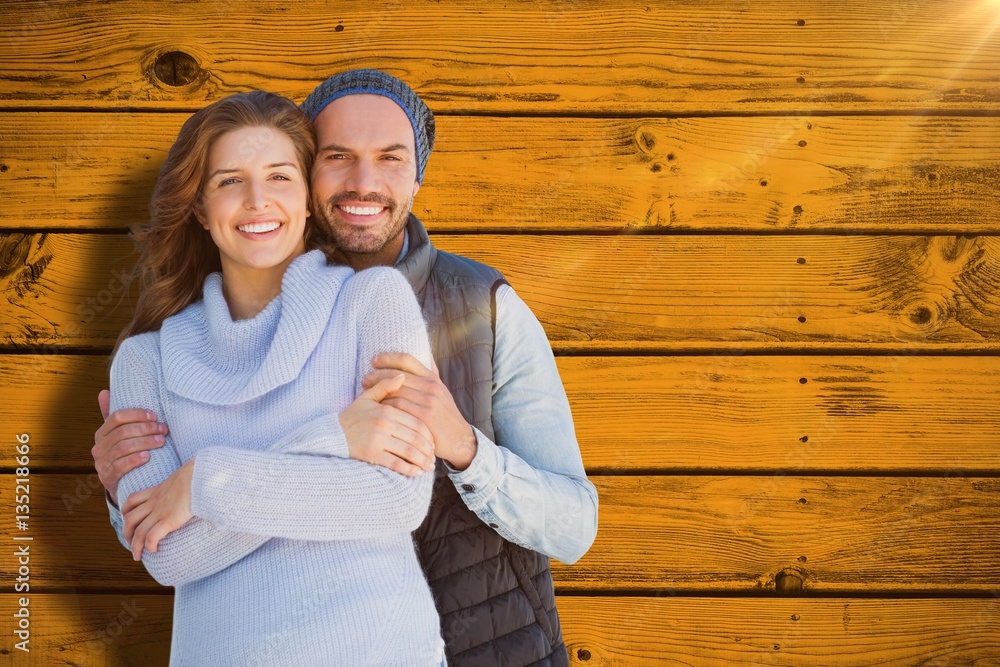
[{"x": 282, "y": 549}]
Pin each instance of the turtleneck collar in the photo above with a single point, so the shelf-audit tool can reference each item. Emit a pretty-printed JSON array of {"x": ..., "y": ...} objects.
[{"x": 210, "y": 358}]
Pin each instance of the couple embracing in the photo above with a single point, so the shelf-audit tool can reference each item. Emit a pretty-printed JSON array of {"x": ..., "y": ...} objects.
[{"x": 339, "y": 444}]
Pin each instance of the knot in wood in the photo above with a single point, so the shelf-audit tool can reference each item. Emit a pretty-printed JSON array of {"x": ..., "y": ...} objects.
[
  {"x": 14, "y": 249},
  {"x": 925, "y": 314},
  {"x": 645, "y": 140},
  {"x": 176, "y": 69},
  {"x": 788, "y": 581},
  {"x": 921, "y": 315},
  {"x": 957, "y": 251}
]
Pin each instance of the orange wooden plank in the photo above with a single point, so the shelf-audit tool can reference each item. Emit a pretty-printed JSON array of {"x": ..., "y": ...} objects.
[
  {"x": 741, "y": 413},
  {"x": 707, "y": 413},
  {"x": 664, "y": 535},
  {"x": 90, "y": 630},
  {"x": 521, "y": 57},
  {"x": 924, "y": 174},
  {"x": 627, "y": 293},
  {"x": 704, "y": 632}
]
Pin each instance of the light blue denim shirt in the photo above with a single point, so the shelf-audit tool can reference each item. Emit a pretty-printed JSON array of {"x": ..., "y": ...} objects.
[{"x": 530, "y": 485}]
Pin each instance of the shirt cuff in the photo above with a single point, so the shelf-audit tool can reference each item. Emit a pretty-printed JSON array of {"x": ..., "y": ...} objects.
[
  {"x": 480, "y": 480},
  {"x": 117, "y": 520}
]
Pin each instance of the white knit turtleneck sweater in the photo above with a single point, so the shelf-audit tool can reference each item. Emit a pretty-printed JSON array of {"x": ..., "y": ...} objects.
[{"x": 296, "y": 555}]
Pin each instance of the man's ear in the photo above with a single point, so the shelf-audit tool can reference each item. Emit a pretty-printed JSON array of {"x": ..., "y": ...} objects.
[{"x": 416, "y": 186}]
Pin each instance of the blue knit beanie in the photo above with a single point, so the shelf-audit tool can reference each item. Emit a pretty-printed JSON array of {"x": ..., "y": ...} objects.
[{"x": 375, "y": 82}]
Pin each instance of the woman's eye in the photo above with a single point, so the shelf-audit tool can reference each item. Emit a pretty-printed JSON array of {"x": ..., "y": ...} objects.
[
  {"x": 226, "y": 181},
  {"x": 280, "y": 177}
]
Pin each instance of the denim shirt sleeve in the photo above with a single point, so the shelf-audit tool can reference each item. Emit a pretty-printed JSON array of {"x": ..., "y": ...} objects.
[
  {"x": 117, "y": 520},
  {"x": 530, "y": 485}
]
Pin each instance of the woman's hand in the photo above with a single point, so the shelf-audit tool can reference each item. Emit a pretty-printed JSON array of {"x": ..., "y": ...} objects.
[
  {"x": 152, "y": 513},
  {"x": 424, "y": 396},
  {"x": 386, "y": 436}
]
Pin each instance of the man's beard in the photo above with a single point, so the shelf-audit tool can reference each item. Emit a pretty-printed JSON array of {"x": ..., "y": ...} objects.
[{"x": 354, "y": 241}]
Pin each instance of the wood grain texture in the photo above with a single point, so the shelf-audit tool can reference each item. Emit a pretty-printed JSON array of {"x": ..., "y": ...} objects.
[
  {"x": 854, "y": 174},
  {"x": 112, "y": 630},
  {"x": 812, "y": 185},
  {"x": 722, "y": 412},
  {"x": 837, "y": 534},
  {"x": 520, "y": 57},
  {"x": 930, "y": 535},
  {"x": 666, "y": 414},
  {"x": 704, "y": 632},
  {"x": 67, "y": 630},
  {"x": 84, "y": 299},
  {"x": 53, "y": 398},
  {"x": 598, "y": 293}
]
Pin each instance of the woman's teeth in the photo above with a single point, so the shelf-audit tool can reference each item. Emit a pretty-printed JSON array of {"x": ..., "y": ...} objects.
[{"x": 259, "y": 227}]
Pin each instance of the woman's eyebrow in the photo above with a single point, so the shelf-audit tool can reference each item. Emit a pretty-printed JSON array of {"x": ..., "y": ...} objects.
[
  {"x": 217, "y": 172},
  {"x": 223, "y": 171}
]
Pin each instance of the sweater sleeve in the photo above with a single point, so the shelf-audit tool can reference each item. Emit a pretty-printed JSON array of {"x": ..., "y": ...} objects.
[
  {"x": 318, "y": 497},
  {"x": 196, "y": 549}
]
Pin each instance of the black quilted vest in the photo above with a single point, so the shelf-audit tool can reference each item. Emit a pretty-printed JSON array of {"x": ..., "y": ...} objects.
[{"x": 495, "y": 599}]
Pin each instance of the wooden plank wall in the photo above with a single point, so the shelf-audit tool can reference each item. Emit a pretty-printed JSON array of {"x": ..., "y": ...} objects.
[{"x": 762, "y": 238}]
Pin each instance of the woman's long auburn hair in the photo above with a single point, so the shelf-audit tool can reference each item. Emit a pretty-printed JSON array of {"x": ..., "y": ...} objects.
[{"x": 176, "y": 252}]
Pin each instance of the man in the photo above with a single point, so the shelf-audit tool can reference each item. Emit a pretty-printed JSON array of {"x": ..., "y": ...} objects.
[{"x": 511, "y": 491}]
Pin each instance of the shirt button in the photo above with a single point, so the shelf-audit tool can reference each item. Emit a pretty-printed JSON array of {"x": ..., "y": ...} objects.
[
  {"x": 468, "y": 487},
  {"x": 493, "y": 525}
]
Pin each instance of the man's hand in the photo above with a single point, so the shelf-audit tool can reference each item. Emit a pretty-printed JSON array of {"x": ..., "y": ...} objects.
[
  {"x": 153, "y": 513},
  {"x": 425, "y": 397},
  {"x": 122, "y": 442},
  {"x": 386, "y": 436}
]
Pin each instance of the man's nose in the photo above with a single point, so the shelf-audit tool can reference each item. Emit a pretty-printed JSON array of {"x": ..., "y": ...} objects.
[{"x": 362, "y": 178}]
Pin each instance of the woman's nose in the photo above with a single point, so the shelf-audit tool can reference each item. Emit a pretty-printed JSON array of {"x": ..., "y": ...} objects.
[{"x": 255, "y": 196}]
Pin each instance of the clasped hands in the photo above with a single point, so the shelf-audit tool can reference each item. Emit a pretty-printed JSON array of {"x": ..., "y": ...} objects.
[{"x": 403, "y": 419}]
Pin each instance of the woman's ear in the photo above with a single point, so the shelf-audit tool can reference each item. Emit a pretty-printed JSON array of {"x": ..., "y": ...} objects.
[{"x": 200, "y": 216}]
